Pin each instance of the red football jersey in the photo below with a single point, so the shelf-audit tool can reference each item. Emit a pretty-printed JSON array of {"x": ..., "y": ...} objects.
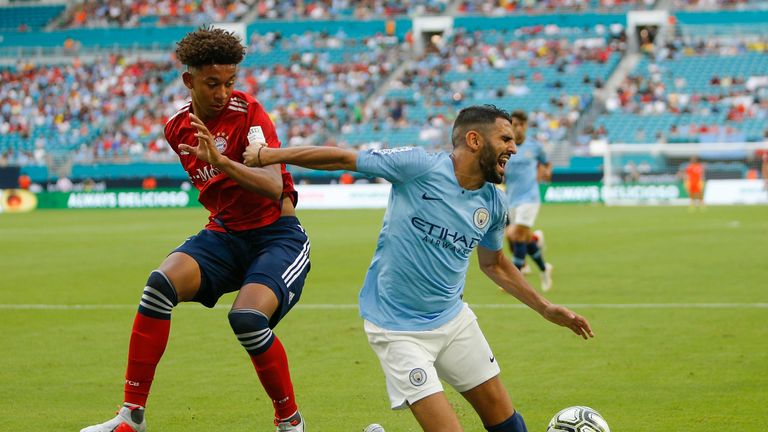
[
  {"x": 695, "y": 172},
  {"x": 243, "y": 120}
]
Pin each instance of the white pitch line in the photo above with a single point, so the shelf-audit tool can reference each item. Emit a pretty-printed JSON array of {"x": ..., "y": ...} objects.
[{"x": 76, "y": 307}]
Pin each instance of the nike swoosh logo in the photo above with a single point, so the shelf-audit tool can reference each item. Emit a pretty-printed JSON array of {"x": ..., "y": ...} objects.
[
  {"x": 493, "y": 359},
  {"x": 429, "y": 198}
]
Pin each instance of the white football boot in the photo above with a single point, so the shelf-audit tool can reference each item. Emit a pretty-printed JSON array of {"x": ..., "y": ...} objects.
[
  {"x": 130, "y": 418},
  {"x": 546, "y": 277},
  {"x": 526, "y": 269},
  {"x": 293, "y": 424}
]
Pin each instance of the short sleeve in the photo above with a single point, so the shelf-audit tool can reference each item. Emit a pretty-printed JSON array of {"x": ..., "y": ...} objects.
[
  {"x": 396, "y": 165},
  {"x": 260, "y": 127},
  {"x": 542, "y": 156},
  {"x": 494, "y": 237}
]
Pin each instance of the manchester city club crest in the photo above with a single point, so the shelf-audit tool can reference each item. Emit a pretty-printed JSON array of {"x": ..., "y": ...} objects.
[
  {"x": 418, "y": 377},
  {"x": 220, "y": 140},
  {"x": 482, "y": 217}
]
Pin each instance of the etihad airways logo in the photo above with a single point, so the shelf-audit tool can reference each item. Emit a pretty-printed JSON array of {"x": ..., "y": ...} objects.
[{"x": 443, "y": 237}]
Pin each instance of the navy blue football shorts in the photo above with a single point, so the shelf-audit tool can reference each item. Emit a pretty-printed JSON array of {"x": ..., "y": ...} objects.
[{"x": 276, "y": 255}]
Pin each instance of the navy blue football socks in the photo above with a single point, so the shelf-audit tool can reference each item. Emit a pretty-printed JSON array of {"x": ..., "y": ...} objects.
[
  {"x": 512, "y": 424},
  {"x": 535, "y": 253}
]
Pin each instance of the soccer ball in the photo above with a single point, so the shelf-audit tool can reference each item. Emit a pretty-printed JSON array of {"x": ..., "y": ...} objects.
[
  {"x": 578, "y": 419},
  {"x": 373, "y": 428}
]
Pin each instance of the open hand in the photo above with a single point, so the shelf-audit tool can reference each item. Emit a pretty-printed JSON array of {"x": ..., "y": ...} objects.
[
  {"x": 206, "y": 149},
  {"x": 565, "y": 317}
]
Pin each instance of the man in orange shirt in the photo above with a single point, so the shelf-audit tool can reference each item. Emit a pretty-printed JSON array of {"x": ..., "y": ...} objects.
[{"x": 694, "y": 182}]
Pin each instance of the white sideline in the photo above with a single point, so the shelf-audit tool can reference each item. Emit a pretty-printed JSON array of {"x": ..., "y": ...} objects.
[{"x": 342, "y": 306}]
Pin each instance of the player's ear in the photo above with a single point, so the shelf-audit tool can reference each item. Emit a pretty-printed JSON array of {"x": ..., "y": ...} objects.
[
  {"x": 473, "y": 139},
  {"x": 187, "y": 78}
]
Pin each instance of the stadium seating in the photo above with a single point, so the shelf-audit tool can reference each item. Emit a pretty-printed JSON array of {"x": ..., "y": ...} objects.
[
  {"x": 28, "y": 18},
  {"x": 684, "y": 93},
  {"x": 103, "y": 13},
  {"x": 493, "y": 7},
  {"x": 549, "y": 70},
  {"x": 47, "y": 109},
  {"x": 346, "y": 73}
]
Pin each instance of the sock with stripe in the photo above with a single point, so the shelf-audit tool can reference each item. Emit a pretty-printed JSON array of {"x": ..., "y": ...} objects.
[
  {"x": 518, "y": 254},
  {"x": 268, "y": 357},
  {"x": 149, "y": 337}
]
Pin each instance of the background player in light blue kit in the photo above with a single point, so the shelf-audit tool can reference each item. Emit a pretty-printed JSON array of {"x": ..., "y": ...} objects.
[
  {"x": 442, "y": 207},
  {"x": 521, "y": 176}
]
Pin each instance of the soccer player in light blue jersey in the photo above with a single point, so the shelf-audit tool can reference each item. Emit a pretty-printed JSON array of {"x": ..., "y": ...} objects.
[
  {"x": 521, "y": 177},
  {"x": 441, "y": 208}
]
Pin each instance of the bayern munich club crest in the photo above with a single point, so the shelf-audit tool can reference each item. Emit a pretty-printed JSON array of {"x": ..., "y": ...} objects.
[
  {"x": 481, "y": 217},
  {"x": 418, "y": 377},
  {"x": 220, "y": 140}
]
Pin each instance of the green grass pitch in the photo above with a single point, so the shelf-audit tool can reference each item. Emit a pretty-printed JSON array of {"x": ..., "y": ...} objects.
[{"x": 678, "y": 302}]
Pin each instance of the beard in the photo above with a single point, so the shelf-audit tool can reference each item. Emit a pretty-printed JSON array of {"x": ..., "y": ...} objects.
[{"x": 488, "y": 163}]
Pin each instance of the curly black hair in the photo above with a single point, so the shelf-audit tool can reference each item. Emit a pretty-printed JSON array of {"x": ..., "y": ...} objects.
[{"x": 209, "y": 46}]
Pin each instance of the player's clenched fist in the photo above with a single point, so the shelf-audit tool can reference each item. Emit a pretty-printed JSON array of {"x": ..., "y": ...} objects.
[{"x": 252, "y": 156}]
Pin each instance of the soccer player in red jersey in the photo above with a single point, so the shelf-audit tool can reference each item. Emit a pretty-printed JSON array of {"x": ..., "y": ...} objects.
[
  {"x": 252, "y": 244},
  {"x": 694, "y": 182}
]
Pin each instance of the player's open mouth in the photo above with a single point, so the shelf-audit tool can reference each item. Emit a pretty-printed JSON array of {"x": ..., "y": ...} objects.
[{"x": 503, "y": 159}]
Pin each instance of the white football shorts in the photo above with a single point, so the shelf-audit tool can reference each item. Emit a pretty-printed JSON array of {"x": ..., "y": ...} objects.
[
  {"x": 524, "y": 214},
  {"x": 414, "y": 362}
]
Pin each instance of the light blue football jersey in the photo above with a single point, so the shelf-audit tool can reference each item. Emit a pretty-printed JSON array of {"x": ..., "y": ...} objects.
[
  {"x": 416, "y": 278},
  {"x": 520, "y": 174}
]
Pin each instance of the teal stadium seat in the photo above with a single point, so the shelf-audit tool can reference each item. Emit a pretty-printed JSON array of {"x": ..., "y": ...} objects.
[{"x": 33, "y": 17}]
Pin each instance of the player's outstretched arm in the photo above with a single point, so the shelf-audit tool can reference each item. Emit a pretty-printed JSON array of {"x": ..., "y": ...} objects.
[
  {"x": 320, "y": 158},
  {"x": 501, "y": 270},
  {"x": 267, "y": 182}
]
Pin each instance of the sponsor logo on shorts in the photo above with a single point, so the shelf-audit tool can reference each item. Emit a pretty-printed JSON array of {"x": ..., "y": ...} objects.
[{"x": 418, "y": 377}]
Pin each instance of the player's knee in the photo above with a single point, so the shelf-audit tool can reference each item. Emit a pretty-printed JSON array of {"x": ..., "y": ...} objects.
[
  {"x": 513, "y": 424},
  {"x": 159, "y": 296},
  {"x": 252, "y": 330}
]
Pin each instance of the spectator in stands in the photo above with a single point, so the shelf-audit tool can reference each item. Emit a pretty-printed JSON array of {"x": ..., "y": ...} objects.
[
  {"x": 47, "y": 108},
  {"x": 107, "y": 13}
]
